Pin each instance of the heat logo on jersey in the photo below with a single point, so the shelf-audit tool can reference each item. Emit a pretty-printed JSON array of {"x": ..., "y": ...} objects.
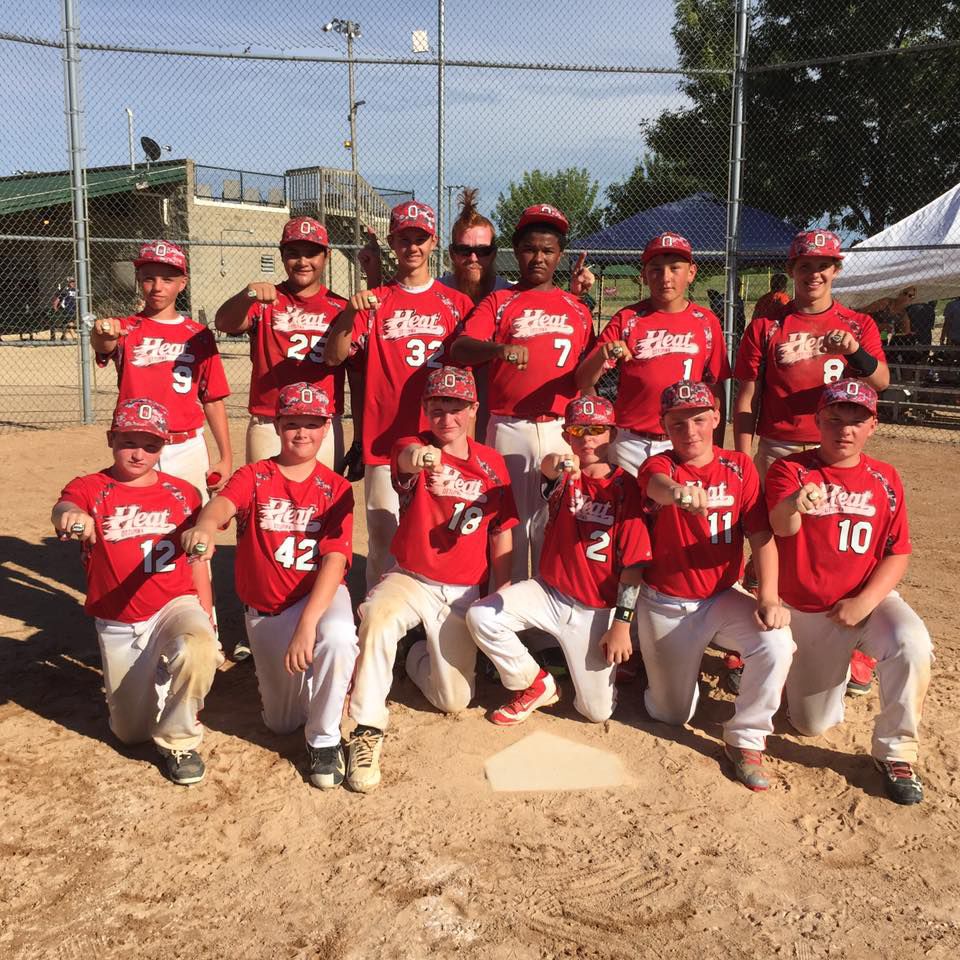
[
  {"x": 407, "y": 323},
  {"x": 534, "y": 323},
  {"x": 130, "y": 522},
  {"x": 799, "y": 347},
  {"x": 296, "y": 318},
  {"x": 659, "y": 343},
  {"x": 451, "y": 483},
  {"x": 281, "y": 516},
  {"x": 155, "y": 350},
  {"x": 591, "y": 511},
  {"x": 838, "y": 500},
  {"x": 717, "y": 496}
]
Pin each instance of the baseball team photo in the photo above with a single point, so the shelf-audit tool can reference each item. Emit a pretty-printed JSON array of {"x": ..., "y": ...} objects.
[{"x": 557, "y": 563}]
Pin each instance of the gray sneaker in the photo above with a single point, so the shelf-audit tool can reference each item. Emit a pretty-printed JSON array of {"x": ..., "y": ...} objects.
[
  {"x": 747, "y": 767},
  {"x": 241, "y": 649},
  {"x": 327, "y": 766},
  {"x": 184, "y": 766},
  {"x": 363, "y": 765}
]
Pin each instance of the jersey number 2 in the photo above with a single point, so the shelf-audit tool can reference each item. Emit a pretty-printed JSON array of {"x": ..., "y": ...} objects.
[{"x": 601, "y": 541}]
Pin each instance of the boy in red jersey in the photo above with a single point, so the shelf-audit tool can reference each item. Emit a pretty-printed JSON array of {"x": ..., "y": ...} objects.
[
  {"x": 786, "y": 357},
  {"x": 595, "y": 543},
  {"x": 294, "y": 544},
  {"x": 288, "y": 325},
  {"x": 404, "y": 330},
  {"x": 842, "y": 533},
  {"x": 703, "y": 502},
  {"x": 174, "y": 360},
  {"x": 152, "y": 610},
  {"x": 657, "y": 342},
  {"x": 456, "y": 509},
  {"x": 533, "y": 335}
]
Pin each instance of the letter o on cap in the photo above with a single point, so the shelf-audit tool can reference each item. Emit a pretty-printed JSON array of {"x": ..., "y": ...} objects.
[
  {"x": 684, "y": 391},
  {"x": 306, "y": 395},
  {"x": 161, "y": 249},
  {"x": 449, "y": 380},
  {"x": 145, "y": 412}
]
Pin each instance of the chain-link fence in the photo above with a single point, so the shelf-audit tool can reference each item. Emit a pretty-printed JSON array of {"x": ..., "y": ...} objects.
[{"x": 733, "y": 123}]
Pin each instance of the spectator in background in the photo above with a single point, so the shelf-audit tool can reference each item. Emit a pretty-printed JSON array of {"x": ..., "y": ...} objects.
[
  {"x": 776, "y": 295},
  {"x": 950, "y": 332},
  {"x": 65, "y": 309},
  {"x": 922, "y": 316},
  {"x": 890, "y": 315}
]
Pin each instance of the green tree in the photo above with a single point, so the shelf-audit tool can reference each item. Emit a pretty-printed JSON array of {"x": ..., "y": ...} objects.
[
  {"x": 572, "y": 190},
  {"x": 654, "y": 180},
  {"x": 856, "y": 143}
]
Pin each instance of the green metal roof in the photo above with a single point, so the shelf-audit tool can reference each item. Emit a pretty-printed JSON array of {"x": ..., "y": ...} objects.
[{"x": 35, "y": 190}]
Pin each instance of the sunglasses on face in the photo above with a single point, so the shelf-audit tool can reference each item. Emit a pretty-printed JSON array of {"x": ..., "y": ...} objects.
[
  {"x": 586, "y": 430},
  {"x": 464, "y": 250}
]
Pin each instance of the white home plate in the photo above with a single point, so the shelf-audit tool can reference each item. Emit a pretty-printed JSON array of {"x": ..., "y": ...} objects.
[{"x": 543, "y": 761}]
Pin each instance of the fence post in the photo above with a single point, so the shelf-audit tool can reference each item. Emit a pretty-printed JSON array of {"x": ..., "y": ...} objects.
[
  {"x": 81, "y": 248},
  {"x": 741, "y": 40},
  {"x": 441, "y": 123}
]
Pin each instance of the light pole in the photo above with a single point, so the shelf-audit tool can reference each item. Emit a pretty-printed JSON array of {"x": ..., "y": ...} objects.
[{"x": 351, "y": 31}]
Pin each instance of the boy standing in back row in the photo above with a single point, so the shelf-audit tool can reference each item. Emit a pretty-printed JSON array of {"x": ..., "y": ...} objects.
[
  {"x": 173, "y": 360},
  {"x": 657, "y": 342}
]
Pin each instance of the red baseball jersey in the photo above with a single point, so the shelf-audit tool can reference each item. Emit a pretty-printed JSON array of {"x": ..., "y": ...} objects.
[
  {"x": 664, "y": 348},
  {"x": 558, "y": 331},
  {"x": 286, "y": 346},
  {"x": 284, "y": 529},
  {"x": 175, "y": 362},
  {"x": 695, "y": 557},
  {"x": 137, "y": 565},
  {"x": 446, "y": 518},
  {"x": 861, "y": 519},
  {"x": 595, "y": 528},
  {"x": 406, "y": 336},
  {"x": 789, "y": 345}
]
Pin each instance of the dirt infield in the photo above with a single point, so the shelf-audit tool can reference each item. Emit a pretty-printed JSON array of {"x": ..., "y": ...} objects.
[{"x": 104, "y": 858}]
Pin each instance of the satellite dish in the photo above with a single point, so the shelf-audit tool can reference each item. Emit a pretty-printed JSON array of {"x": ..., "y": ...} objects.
[{"x": 151, "y": 148}]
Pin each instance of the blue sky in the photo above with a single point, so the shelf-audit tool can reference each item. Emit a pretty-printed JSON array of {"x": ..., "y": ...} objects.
[{"x": 260, "y": 115}]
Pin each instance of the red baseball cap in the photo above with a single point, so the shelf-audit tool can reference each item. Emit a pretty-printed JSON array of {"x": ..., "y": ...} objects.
[
  {"x": 589, "y": 411},
  {"x": 162, "y": 251},
  {"x": 815, "y": 243},
  {"x": 849, "y": 391},
  {"x": 140, "y": 416},
  {"x": 305, "y": 228},
  {"x": 668, "y": 242},
  {"x": 545, "y": 214},
  {"x": 453, "y": 382},
  {"x": 303, "y": 400},
  {"x": 687, "y": 395},
  {"x": 413, "y": 214}
]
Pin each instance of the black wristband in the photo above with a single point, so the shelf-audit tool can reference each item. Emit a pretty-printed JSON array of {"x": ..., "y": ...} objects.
[
  {"x": 624, "y": 614},
  {"x": 863, "y": 362}
]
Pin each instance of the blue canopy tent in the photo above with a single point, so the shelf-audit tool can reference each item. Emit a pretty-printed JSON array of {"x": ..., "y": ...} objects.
[{"x": 702, "y": 219}]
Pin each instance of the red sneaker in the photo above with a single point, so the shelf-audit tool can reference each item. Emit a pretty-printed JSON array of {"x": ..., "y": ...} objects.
[
  {"x": 861, "y": 674},
  {"x": 629, "y": 671},
  {"x": 733, "y": 668},
  {"x": 541, "y": 693}
]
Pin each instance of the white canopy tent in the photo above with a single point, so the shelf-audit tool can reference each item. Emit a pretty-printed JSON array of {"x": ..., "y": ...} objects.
[{"x": 935, "y": 273}]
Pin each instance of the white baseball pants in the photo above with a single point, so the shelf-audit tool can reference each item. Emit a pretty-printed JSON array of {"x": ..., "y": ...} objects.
[
  {"x": 189, "y": 461},
  {"x": 313, "y": 699},
  {"x": 158, "y": 672},
  {"x": 444, "y": 668},
  {"x": 495, "y": 620},
  {"x": 383, "y": 518},
  {"x": 897, "y": 638},
  {"x": 263, "y": 442},
  {"x": 523, "y": 444},
  {"x": 770, "y": 450},
  {"x": 673, "y": 635},
  {"x": 629, "y": 450}
]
